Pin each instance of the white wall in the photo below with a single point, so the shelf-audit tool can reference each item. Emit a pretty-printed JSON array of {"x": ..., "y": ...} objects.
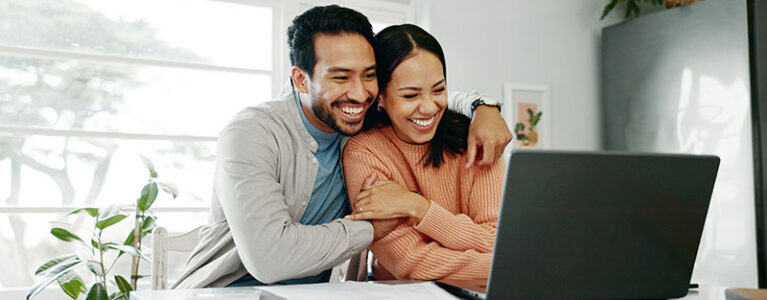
[
  {"x": 552, "y": 42},
  {"x": 557, "y": 43}
]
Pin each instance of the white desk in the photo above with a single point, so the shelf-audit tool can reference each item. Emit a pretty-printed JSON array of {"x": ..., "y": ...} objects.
[
  {"x": 210, "y": 294},
  {"x": 702, "y": 293}
]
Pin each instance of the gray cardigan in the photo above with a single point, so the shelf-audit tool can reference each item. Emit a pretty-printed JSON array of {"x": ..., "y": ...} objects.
[{"x": 265, "y": 173}]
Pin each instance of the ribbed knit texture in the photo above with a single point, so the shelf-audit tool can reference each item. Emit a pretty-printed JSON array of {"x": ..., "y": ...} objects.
[{"x": 455, "y": 238}]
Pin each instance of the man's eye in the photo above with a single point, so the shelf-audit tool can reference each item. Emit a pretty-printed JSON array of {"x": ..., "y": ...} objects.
[
  {"x": 340, "y": 78},
  {"x": 439, "y": 90},
  {"x": 371, "y": 75}
]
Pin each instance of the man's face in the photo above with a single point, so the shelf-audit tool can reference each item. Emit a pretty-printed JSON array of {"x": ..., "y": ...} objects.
[{"x": 344, "y": 82}]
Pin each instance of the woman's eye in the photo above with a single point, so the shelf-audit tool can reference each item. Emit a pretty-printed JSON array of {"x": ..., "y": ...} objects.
[
  {"x": 439, "y": 90},
  {"x": 410, "y": 96},
  {"x": 371, "y": 75}
]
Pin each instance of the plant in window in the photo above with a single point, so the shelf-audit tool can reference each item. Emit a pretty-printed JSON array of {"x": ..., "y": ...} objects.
[{"x": 62, "y": 269}]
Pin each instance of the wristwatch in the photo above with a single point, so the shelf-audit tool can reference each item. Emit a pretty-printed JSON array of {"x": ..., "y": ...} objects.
[{"x": 486, "y": 102}]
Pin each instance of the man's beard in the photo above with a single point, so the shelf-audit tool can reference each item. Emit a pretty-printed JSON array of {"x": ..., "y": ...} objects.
[{"x": 326, "y": 117}]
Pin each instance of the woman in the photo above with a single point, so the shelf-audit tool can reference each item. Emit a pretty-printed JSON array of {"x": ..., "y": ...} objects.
[{"x": 443, "y": 215}]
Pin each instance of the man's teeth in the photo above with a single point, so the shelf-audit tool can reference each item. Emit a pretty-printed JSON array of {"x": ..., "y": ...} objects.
[
  {"x": 351, "y": 110},
  {"x": 422, "y": 123}
]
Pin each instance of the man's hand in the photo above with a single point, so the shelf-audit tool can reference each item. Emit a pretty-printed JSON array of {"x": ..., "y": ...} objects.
[
  {"x": 488, "y": 137},
  {"x": 388, "y": 200},
  {"x": 381, "y": 227}
]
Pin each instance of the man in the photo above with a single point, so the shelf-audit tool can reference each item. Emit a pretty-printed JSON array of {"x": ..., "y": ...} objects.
[{"x": 279, "y": 195}]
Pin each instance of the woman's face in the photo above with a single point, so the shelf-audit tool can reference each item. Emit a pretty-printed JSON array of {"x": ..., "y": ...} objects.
[{"x": 416, "y": 97}]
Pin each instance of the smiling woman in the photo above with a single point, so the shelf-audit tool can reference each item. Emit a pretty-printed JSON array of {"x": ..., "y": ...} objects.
[{"x": 437, "y": 217}]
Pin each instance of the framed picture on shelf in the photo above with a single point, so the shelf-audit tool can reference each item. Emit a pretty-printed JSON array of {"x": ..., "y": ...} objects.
[{"x": 527, "y": 111}]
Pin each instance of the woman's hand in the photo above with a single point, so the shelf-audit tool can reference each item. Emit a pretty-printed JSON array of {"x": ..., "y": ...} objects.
[{"x": 386, "y": 200}]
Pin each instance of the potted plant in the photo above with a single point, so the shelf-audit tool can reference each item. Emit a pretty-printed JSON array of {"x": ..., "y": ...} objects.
[{"x": 97, "y": 250}]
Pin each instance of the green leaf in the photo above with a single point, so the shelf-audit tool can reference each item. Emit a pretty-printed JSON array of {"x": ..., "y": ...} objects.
[
  {"x": 168, "y": 187},
  {"x": 129, "y": 239},
  {"x": 609, "y": 7},
  {"x": 94, "y": 243},
  {"x": 109, "y": 211},
  {"x": 94, "y": 267},
  {"x": 137, "y": 277},
  {"x": 122, "y": 284},
  {"x": 127, "y": 249},
  {"x": 110, "y": 221},
  {"x": 54, "y": 262},
  {"x": 64, "y": 235},
  {"x": 119, "y": 296},
  {"x": 149, "y": 166},
  {"x": 148, "y": 196},
  {"x": 71, "y": 284},
  {"x": 90, "y": 210},
  {"x": 147, "y": 224},
  {"x": 631, "y": 6},
  {"x": 52, "y": 275},
  {"x": 97, "y": 292}
]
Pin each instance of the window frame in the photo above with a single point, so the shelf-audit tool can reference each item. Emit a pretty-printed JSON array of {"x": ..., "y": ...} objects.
[{"x": 282, "y": 14}]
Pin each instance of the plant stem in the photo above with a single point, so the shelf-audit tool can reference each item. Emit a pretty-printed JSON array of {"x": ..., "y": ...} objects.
[
  {"x": 101, "y": 262},
  {"x": 136, "y": 244}
]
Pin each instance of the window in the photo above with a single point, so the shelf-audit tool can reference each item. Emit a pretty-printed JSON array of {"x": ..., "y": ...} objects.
[{"x": 86, "y": 86}]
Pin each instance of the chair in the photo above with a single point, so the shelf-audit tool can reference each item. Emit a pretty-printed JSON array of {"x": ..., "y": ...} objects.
[
  {"x": 354, "y": 269},
  {"x": 161, "y": 244}
]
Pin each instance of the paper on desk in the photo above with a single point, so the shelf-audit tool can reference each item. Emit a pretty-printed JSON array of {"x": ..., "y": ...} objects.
[
  {"x": 226, "y": 294},
  {"x": 353, "y": 290}
]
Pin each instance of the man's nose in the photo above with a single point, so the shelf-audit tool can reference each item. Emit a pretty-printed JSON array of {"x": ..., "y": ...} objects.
[{"x": 357, "y": 91}]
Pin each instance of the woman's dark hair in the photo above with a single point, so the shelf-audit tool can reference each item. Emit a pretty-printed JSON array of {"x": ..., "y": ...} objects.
[
  {"x": 331, "y": 19},
  {"x": 393, "y": 45}
]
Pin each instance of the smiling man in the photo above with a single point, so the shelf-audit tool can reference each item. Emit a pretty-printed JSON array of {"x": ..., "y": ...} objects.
[{"x": 279, "y": 197}]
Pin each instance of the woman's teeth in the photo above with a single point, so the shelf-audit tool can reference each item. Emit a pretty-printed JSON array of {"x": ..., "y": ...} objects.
[
  {"x": 351, "y": 110},
  {"x": 421, "y": 122}
]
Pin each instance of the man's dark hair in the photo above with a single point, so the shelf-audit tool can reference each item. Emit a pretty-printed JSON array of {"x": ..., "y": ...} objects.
[
  {"x": 331, "y": 19},
  {"x": 394, "y": 45}
]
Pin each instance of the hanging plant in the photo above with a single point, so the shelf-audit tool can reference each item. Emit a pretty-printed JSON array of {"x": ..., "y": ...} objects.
[{"x": 632, "y": 6}]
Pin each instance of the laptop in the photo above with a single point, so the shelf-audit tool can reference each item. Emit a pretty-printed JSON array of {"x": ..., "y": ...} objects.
[{"x": 597, "y": 225}]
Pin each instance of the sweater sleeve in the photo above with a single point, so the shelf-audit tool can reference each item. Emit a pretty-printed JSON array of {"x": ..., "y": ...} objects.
[
  {"x": 409, "y": 254},
  {"x": 475, "y": 228},
  {"x": 358, "y": 165},
  {"x": 405, "y": 251}
]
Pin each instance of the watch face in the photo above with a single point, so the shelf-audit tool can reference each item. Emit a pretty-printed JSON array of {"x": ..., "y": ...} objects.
[{"x": 477, "y": 103}]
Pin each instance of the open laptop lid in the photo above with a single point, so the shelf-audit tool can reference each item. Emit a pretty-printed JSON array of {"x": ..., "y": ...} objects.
[{"x": 600, "y": 225}]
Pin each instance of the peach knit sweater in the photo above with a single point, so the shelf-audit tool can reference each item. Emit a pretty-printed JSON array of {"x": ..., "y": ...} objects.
[{"x": 455, "y": 238}]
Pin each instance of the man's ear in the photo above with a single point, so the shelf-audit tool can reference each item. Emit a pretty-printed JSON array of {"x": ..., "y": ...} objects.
[{"x": 300, "y": 79}]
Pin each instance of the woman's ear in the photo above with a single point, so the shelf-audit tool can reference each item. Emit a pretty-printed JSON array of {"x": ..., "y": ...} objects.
[
  {"x": 381, "y": 104},
  {"x": 300, "y": 79}
]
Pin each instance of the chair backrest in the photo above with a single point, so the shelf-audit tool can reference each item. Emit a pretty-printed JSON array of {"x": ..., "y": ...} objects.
[{"x": 161, "y": 244}]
